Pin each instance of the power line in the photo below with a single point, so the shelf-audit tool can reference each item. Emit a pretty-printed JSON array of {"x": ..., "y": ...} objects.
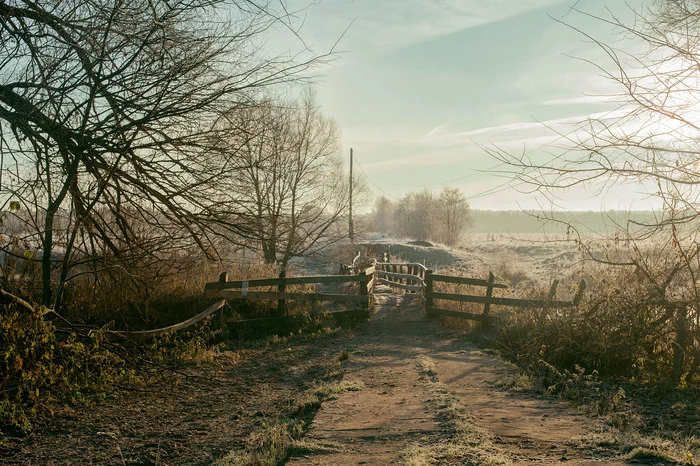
[
  {"x": 362, "y": 170},
  {"x": 493, "y": 190}
]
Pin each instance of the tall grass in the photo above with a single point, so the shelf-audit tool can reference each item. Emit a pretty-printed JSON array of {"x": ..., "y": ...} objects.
[{"x": 617, "y": 331}]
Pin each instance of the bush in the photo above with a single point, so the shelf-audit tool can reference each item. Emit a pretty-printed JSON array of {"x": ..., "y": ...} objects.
[
  {"x": 40, "y": 365},
  {"x": 620, "y": 330}
]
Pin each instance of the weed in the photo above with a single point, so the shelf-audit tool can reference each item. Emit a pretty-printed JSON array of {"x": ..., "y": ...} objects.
[
  {"x": 276, "y": 441},
  {"x": 469, "y": 443}
]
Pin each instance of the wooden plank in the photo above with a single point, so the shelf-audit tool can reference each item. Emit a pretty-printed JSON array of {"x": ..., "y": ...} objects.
[
  {"x": 289, "y": 281},
  {"x": 465, "y": 281},
  {"x": 370, "y": 284},
  {"x": 261, "y": 295},
  {"x": 383, "y": 265},
  {"x": 174, "y": 328},
  {"x": 404, "y": 276},
  {"x": 435, "y": 312},
  {"x": 500, "y": 301},
  {"x": 418, "y": 288},
  {"x": 239, "y": 283}
]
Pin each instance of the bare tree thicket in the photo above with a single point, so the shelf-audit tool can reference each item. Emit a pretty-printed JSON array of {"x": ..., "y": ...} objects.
[
  {"x": 651, "y": 140},
  {"x": 287, "y": 187},
  {"x": 423, "y": 216},
  {"x": 106, "y": 122}
]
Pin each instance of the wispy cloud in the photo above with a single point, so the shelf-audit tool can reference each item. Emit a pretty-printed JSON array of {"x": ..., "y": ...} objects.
[
  {"x": 519, "y": 132},
  {"x": 580, "y": 100},
  {"x": 382, "y": 26},
  {"x": 434, "y": 131}
]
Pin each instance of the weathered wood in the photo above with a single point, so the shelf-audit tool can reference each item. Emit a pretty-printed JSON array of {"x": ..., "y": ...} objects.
[
  {"x": 489, "y": 293},
  {"x": 499, "y": 301},
  {"x": 579, "y": 293},
  {"x": 370, "y": 283},
  {"x": 465, "y": 281},
  {"x": 272, "y": 295},
  {"x": 281, "y": 288},
  {"x": 436, "y": 312},
  {"x": 553, "y": 290},
  {"x": 417, "y": 288},
  {"x": 403, "y": 276},
  {"x": 415, "y": 264},
  {"x": 288, "y": 281},
  {"x": 429, "y": 289},
  {"x": 176, "y": 327},
  {"x": 366, "y": 288}
]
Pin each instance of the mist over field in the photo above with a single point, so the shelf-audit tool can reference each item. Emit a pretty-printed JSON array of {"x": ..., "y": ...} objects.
[{"x": 548, "y": 222}]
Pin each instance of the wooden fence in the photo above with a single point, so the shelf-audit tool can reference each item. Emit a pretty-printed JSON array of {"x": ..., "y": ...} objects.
[
  {"x": 487, "y": 299},
  {"x": 240, "y": 289}
]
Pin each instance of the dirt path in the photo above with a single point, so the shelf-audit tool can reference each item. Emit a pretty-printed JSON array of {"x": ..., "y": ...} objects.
[{"x": 430, "y": 397}]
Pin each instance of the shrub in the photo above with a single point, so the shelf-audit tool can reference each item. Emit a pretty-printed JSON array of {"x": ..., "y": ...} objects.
[
  {"x": 621, "y": 329},
  {"x": 40, "y": 364}
]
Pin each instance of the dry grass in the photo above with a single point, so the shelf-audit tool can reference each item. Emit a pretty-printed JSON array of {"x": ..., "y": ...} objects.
[
  {"x": 277, "y": 440},
  {"x": 464, "y": 442}
]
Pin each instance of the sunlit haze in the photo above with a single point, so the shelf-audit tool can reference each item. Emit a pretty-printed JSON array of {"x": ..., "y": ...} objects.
[{"x": 420, "y": 87}]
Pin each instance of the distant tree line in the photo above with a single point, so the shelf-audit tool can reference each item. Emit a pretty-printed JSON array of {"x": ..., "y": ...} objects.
[{"x": 425, "y": 216}]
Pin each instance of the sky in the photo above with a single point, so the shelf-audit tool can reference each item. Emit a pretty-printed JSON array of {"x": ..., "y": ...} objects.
[{"x": 420, "y": 87}]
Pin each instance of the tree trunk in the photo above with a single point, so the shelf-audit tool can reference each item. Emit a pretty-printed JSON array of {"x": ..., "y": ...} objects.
[
  {"x": 680, "y": 344},
  {"x": 46, "y": 259}
]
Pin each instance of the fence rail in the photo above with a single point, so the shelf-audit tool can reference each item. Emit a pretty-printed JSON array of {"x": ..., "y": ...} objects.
[
  {"x": 240, "y": 289},
  {"x": 487, "y": 299}
]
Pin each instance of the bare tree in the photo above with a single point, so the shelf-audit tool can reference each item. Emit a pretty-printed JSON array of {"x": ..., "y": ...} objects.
[
  {"x": 650, "y": 140},
  {"x": 452, "y": 216},
  {"x": 288, "y": 183},
  {"x": 106, "y": 111}
]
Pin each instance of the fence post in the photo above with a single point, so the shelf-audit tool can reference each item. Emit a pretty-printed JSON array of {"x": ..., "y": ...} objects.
[
  {"x": 428, "y": 292},
  {"x": 281, "y": 288},
  {"x": 489, "y": 293},
  {"x": 579, "y": 293},
  {"x": 364, "y": 290},
  {"x": 553, "y": 290},
  {"x": 223, "y": 278}
]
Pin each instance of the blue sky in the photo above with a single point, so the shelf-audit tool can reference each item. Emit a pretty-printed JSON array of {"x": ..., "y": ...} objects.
[{"x": 417, "y": 86}]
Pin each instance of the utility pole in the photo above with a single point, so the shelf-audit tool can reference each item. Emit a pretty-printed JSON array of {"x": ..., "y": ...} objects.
[{"x": 351, "y": 228}]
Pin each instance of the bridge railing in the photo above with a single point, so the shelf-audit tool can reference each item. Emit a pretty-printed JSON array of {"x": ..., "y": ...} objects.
[{"x": 408, "y": 276}]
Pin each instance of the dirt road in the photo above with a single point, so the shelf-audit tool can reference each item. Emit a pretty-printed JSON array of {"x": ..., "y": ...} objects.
[
  {"x": 428, "y": 397},
  {"x": 431, "y": 398}
]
